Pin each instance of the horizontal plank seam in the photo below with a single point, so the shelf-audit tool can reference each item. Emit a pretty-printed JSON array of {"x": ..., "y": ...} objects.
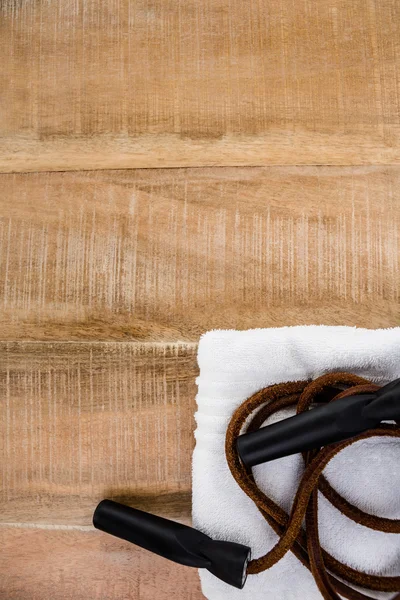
[
  {"x": 100, "y": 342},
  {"x": 48, "y": 526},
  {"x": 210, "y": 166}
]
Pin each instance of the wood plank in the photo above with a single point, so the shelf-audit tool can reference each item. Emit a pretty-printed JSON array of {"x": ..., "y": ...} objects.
[
  {"x": 88, "y": 84},
  {"x": 163, "y": 255},
  {"x": 80, "y": 422},
  {"x": 65, "y": 565}
]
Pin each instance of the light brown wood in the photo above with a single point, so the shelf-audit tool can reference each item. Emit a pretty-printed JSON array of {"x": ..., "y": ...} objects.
[
  {"x": 80, "y": 422},
  {"x": 88, "y": 84},
  {"x": 108, "y": 277},
  {"x": 66, "y": 565},
  {"x": 167, "y": 254}
]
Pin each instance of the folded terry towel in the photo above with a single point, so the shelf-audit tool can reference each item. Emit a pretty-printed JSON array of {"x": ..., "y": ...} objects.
[{"x": 234, "y": 365}]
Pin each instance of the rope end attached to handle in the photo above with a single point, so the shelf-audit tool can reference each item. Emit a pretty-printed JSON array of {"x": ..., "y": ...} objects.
[
  {"x": 334, "y": 422},
  {"x": 179, "y": 543}
]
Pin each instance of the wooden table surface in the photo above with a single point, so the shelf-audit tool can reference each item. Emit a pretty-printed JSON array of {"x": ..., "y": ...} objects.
[{"x": 170, "y": 167}]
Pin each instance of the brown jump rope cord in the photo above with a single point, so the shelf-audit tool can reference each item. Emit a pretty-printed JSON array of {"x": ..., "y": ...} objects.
[{"x": 305, "y": 543}]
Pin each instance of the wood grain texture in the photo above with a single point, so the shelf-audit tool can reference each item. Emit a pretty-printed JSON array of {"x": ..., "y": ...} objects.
[
  {"x": 88, "y": 84},
  {"x": 80, "y": 422},
  {"x": 167, "y": 254},
  {"x": 77, "y": 565},
  {"x": 121, "y": 271}
]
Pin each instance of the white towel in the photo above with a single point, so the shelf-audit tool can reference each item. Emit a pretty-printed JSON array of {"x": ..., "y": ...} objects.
[{"x": 234, "y": 365}]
